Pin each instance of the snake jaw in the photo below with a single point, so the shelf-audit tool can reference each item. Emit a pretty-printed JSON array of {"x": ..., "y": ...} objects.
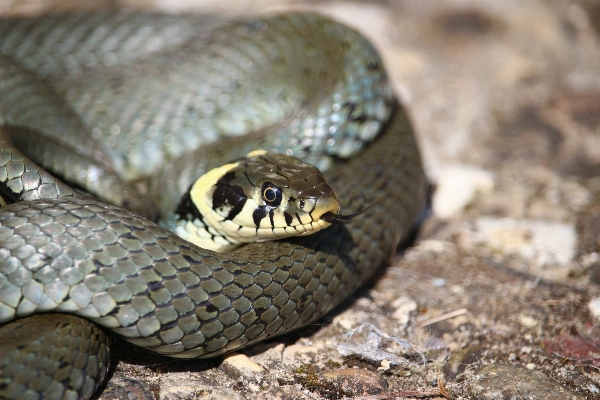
[
  {"x": 326, "y": 203},
  {"x": 333, "y": 218}
]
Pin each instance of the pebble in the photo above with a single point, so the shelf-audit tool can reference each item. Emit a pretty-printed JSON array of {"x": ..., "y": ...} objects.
[
  {"x": 219, "y": 394},
  {"x": 121, "y": 387},
  {"x": 507, "y": 382},
  {"x": 456, "y": 188},
  {"x": 403, "y": 307},
  {"x": 370, "y": 343},
  {"x": 527, "y": 321},
  {"x": 459, "y": 360},
  {"x": 356, "y": 382},
  {"x": 239, "y": 365},
  {"x": 594, "y": 307},
  {"x": 544, "y": 243},
  {"x": 288, "y": 392},
  {"x": 197, "y": 392}
]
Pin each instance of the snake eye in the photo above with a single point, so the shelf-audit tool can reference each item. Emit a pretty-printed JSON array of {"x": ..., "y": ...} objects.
[{"x": 271, "y": 194}]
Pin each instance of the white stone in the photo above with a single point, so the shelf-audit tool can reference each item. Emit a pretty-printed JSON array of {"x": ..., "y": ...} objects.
[
  {"x": 527, "y": 321},
  {"x": 403, "y": 307},
  {"x": 242, "y": 363},
  {"x": 545, "y": 243},
  {"x": 456, "y": 188},
  {"x": 594, "y": 306},
  {"x": 436, "y": 246}
]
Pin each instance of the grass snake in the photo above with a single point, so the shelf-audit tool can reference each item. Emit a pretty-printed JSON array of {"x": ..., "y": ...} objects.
[{"x": 142, "y": 102}]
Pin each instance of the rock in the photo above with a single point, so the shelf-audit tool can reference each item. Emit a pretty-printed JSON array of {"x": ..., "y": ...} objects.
[
  {"x": 289, "y": 392},
  {"x": 347, "y": 382},
  {"x": 594, "y": 307},
  {"x": 545, "y": 243},
  {"x": 507, "y": 382},
  {"x": 179, "y": 392},
  {"x": 459, "y": 360},
  {"x": 219, "y": 394},
  {"x": 356, "y": 382},
  {"x": 456, "y": 188},
  {"x": 199, "y": 392},
  {"x": 370, "y": 343},
  {"x": 123, "y": 388},
  {"x": 239, "y": 365},
  {"x": 575, "y": 347},
  {"x": 403, "y": 306}
]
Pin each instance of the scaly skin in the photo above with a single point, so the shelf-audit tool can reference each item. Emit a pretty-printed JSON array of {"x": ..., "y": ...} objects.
[{"x": 128, "y": 275}]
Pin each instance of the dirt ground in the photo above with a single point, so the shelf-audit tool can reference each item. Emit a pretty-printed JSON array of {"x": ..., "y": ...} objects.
[{"x": 499, "y": 295}]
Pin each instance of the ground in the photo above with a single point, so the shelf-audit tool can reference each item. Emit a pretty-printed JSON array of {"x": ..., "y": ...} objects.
[{"x": 498, "y": 297}]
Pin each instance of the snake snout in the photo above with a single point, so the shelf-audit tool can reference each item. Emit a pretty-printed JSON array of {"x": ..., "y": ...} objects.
[{"x": 326, "y": 204}]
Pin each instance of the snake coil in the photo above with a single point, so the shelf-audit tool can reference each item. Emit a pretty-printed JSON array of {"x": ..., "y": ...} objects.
[{"x": 136, "y": 97}]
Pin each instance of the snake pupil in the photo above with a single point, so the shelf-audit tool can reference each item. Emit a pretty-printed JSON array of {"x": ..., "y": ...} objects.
[{"x": 271, "y": 194}]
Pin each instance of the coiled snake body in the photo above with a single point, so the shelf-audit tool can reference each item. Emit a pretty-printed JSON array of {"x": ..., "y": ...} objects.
[{"x": 145, "y": 102}]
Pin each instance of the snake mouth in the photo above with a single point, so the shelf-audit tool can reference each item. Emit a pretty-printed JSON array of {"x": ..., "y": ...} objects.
[
  {"x": 333, "y": 218},
  {"x": 339, "y": 218}
]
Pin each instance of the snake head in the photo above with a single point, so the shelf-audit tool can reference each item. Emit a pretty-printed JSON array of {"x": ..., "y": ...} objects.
[{"x": 258, "y": 198}]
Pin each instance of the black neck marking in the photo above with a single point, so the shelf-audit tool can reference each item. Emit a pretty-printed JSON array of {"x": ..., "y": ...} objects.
[
  {"x": 187, "y": 209},
  {"x": 229, "y": 196}
]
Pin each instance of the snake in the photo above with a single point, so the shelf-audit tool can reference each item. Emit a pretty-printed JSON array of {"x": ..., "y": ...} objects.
[{"x": 128, "y": 108}]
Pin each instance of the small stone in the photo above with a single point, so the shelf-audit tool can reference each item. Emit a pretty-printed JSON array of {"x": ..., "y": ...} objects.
[
  {"x": 527, "y": 321},
  {"x": 436, "y": 246},
  {"x": 221, "y": 394},
  {"x": 385, "y": 365},
  {"x": 403, "y": 307},
  {"x": 459, "y": 360},
  {"x": 239, "y": 365},
  {"x": 179, "y": 392},
  {"x": 286, "y": 393},
  {"x": 594, "y": 307},
  {"x": 120, "y": 387},
  {"x": 241, "y": 361},
  {"x": 545, "y": 243},
  {"x": 456, "y": 188},
  {"x": 370, "y": 343},
  {"x": 186, "y": 385},
  {"x": 356, "y": 382},
  {"x": 574, "y": 346},
  {"x": 504, "y": 382}
]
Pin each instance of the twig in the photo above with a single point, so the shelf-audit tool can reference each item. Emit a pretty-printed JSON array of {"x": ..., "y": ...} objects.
[{"x": 443, "y": 317}]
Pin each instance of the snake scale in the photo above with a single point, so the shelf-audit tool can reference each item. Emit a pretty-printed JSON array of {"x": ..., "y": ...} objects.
[{"x": 142, "y": 102}]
